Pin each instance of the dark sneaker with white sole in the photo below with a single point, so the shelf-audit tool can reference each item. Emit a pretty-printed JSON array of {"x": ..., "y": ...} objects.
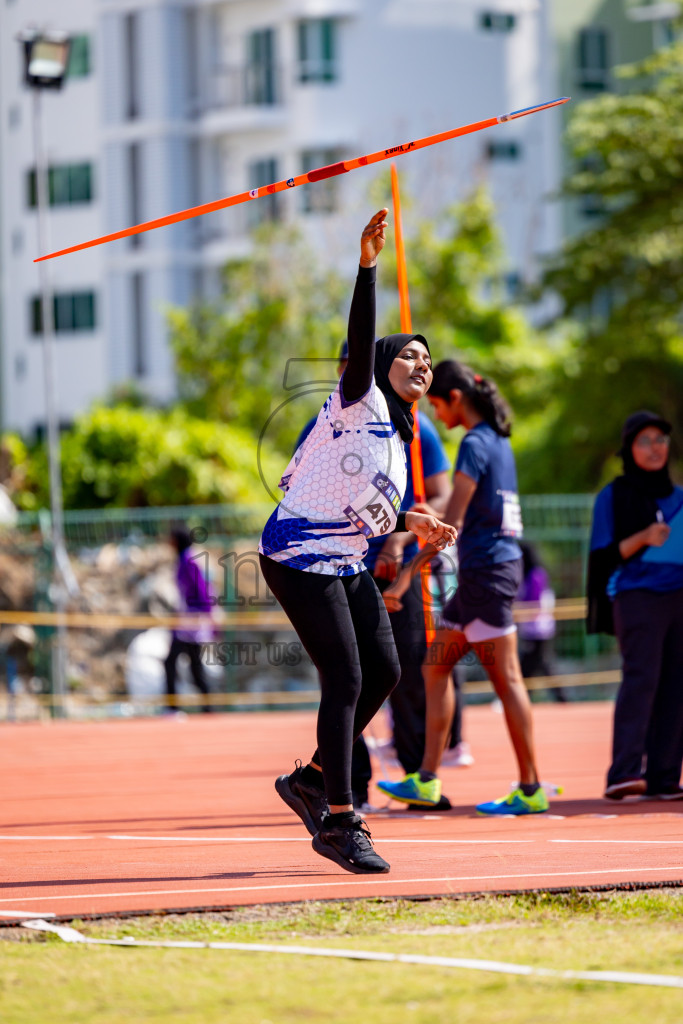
[
  {"x": 670, "y": 793},
  {"x": 350, "y": 846},
  {"x": 309, "y": 802},
  {"x": 626, "y": 787}
]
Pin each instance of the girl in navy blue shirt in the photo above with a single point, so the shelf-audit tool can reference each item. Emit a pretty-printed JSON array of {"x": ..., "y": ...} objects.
[{"x": 484, "y": 508}]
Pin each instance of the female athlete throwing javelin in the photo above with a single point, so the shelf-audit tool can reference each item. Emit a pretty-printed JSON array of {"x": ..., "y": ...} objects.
[{"x": 344, "y": 485}]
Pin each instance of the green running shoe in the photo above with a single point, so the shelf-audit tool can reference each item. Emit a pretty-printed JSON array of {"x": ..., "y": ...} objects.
[
  {"x": 412, "y": 790},
  {"x": 516, "y": 803}
]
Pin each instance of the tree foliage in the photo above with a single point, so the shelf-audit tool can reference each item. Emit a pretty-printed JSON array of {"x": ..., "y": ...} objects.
[
  {"x": 130, "y": 457},
  {"x": 459, "y": 301},
  {"x": 620, "y": 283}
]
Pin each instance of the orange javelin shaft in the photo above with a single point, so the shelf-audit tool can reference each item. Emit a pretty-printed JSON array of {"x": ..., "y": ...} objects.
[{"x": 330, "y": 171}]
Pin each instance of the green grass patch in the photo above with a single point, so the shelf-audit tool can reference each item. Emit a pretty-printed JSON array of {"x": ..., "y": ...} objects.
[{"x": 45, "y": 980}]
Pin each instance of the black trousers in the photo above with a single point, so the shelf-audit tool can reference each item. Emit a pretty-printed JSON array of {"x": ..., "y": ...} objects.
[
  {"x": 193, "y": 651},
  {"x": 536, "y": 659},
  {"x": 344, "y": 626},
  {"x": 361, "y": 771},
  {"x": 648, "y": 714},
  {"x": 407, "y": 699}
]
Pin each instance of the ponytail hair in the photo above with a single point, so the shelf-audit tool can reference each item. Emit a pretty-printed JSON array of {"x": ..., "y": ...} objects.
[{"x": 481, "y": 393}]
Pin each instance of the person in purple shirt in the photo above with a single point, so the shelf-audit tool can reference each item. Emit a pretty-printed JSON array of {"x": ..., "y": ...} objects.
[
  {"x": 536, "y": 634},
  {"x": 188, "y": 639}
]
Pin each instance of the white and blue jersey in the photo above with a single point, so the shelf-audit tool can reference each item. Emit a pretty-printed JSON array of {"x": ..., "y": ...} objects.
[
  {"x": 434, "y": 460},
  {"x": 343, "y": 485}
]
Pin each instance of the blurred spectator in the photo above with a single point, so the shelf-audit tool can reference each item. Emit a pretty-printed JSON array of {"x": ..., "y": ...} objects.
[
  {"x": 188, "y": 639},
  {"x": 457, "y": 753},
  {"x": 635, "y": 589},
  {"x": 536, "y": 634},
  {"x": 19, "y": 646}
]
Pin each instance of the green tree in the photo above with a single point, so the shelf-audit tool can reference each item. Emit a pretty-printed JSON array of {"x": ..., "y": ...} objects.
[
  {"x": 129, "y": 457},
  {"x": 459, "y": 302},
  {"x": 621, "y": 282}
]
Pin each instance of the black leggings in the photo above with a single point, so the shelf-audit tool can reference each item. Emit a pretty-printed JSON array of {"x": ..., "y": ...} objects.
[
  {"x": 194, "y": 653},
  {"x": 345, "y": 628}
]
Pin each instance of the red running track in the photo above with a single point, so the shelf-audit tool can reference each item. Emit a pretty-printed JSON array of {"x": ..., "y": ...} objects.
[{"x": 156, "y": 814}]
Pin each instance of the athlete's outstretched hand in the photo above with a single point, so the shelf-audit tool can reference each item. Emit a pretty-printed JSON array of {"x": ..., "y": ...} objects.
[
  {"x": 437, "y": 534},
  {"x": 431, "y": 530},
  {"x": 373, "y": 238}
]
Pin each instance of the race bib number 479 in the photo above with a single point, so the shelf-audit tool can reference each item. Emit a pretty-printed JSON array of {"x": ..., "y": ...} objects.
[{"x": 374, "y": 511}]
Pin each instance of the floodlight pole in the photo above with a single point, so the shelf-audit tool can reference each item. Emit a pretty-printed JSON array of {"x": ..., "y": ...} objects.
[{"x": 61, "y": 567}]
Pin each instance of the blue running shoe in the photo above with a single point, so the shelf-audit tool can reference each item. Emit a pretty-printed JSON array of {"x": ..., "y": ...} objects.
[
  {"x": 516, "y": 803},
  {"x": 412, "y": 790}
]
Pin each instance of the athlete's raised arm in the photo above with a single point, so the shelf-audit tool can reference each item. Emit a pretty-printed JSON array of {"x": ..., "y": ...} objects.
[{"x": 357, "y": 376}]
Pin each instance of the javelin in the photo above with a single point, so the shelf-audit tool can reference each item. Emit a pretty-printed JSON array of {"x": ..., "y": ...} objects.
[{"x": 320, "y": 173}]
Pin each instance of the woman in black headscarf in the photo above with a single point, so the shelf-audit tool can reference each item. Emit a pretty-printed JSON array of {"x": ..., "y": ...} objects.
[
  {"x": 343, "y": 486},
  {"x": 635, "y": 589}
]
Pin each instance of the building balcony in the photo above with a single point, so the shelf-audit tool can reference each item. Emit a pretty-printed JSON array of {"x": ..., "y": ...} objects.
[
  {"x": 254, "y": 87},
  {"x": 245, "y": 98}
]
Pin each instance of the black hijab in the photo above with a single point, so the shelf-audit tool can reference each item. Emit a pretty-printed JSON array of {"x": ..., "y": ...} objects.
[
  {"x": 635, "y": 493},
  {"x": 386, "y": 350}
]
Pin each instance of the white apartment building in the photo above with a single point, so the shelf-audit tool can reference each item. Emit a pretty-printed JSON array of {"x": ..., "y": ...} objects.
[{"x": 172, "y": 103}]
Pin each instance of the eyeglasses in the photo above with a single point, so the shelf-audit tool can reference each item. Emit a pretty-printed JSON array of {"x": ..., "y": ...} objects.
[{"x": 649, "y": 442}]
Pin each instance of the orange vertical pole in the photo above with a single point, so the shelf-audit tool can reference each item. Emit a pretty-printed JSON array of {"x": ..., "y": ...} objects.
[{"x": 406, "y": 327}]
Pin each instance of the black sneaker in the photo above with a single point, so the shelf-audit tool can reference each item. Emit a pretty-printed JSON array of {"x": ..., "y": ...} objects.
[
  {"x": 309, "y": 802},
  {"x": 669, "y": 793},
  {"x": 627, "y": 787},
  {"x": 350, "y": 846}
]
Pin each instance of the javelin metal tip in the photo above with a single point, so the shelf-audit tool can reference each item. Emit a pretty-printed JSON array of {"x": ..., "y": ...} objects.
[{"x": 532, "y": 110}]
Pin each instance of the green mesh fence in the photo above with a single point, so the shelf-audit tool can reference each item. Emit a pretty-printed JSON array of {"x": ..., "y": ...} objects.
[{"x": 558, "y": 525}]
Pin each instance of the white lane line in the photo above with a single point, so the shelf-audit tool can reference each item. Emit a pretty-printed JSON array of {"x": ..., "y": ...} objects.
[
  {"x": 216, "y": 839},
  {"x": 307, "y": 839},
  {"x": 495, "y": 966},
  {"x": 369, "y": 880},
  {"x": 265, "y": 839},
  {"x": 23, "y": 913},
  {"x": 50, "y": 838},
  {"x": 624, "y": 842}
]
